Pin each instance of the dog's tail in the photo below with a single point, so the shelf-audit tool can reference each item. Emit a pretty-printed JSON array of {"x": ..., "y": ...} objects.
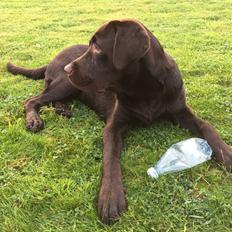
[{"x": 35, "y": 74}]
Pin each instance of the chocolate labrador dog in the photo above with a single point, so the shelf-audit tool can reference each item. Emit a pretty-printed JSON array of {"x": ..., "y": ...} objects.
[{"x": 128, "y": 79}]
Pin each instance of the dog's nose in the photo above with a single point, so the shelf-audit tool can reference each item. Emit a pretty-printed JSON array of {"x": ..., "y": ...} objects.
[{"x": 68, "y": 68}]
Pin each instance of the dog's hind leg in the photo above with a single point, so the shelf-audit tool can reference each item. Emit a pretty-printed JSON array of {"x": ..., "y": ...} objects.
[{"x": 57, "y": 90}]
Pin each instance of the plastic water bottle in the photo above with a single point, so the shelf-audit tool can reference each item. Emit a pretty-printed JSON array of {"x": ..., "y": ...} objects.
[{"x": 182, "y": 155}]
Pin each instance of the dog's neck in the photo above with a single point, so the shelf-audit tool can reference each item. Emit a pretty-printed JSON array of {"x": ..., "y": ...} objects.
[
  {"x": 153, "y": 77},
  {"x": 143, "y": 78}
]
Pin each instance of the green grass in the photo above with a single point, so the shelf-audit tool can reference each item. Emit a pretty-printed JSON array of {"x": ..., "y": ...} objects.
[{"x": 49, "y": 181}]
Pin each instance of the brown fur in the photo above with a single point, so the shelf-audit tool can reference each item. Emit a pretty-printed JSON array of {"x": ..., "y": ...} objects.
[{"x": 128, "y": 79}]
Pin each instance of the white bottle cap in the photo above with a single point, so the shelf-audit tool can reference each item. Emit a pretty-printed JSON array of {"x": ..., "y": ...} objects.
[{"x": 152, "y": 173}]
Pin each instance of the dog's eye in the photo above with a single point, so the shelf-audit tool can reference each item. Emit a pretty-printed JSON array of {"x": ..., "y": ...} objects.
[
  {"x": 96, "y": 47},
  {"x": 99, "y": 54}
]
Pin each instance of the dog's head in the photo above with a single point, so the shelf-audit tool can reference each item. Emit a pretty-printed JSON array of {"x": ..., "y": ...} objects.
[{"x": 113, "y": 47}]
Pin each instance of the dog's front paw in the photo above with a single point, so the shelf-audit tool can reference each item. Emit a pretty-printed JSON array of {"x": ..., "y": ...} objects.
[
  {"x": 34, "y": 122},
  {"x": 111, "y": 203},
  {"x": 224, "y": 156}
]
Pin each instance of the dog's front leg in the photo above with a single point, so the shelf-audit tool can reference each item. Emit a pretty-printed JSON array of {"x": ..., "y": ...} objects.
[
  {"x": 111, "y": 201},
  {"x": 221, "y": 151}
]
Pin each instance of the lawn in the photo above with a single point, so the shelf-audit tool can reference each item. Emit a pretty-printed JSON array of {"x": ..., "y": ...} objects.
[{"x": 49, "y": 181}]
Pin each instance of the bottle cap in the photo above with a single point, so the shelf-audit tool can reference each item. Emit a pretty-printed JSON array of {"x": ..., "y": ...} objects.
[{"x": 152, "y": 173}]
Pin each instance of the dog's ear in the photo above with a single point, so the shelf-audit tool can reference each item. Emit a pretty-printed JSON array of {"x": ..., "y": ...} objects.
[{"x": 131, "y": 43}]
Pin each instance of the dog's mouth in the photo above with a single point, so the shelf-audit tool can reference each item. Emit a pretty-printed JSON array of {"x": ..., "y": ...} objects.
[
  {"x": 83, "y": 83},
  {"x": 79, "y": 84},
  {"x": 70, "y": 74},
  {"x": 101, "y": 90}
]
